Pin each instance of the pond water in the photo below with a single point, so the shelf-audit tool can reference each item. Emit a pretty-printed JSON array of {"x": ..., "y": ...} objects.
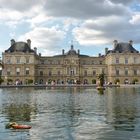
[{"x": 71, "y": 113}]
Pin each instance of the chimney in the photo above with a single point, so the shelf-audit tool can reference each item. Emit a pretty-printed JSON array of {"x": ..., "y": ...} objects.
[
  {"x": 40, "y": 54},
  {"x": 106, "y": 50},
  {"x": 78, "y": 51},
  {"x": 35, "y": 50},
  {"x": 29, "y": 43},
  {"x": 63, "y": 51},
  {"x": 115, "y": 42},
  {"x": 131, "y": 42},
  {"x": 12, "y": 42}
]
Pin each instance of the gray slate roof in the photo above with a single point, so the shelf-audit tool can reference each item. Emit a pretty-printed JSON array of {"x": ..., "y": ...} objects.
[
  {"x": 19, "y": 47},
  {"x": 123, "y": 48},
  {"x": 71, "y": 52}
]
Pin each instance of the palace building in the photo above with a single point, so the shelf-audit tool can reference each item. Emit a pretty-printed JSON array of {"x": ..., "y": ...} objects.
[{"x": 22, "y": 65}]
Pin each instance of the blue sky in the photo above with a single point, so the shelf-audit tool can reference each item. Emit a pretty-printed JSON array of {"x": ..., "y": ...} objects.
[{"x": 53, "y": 24}]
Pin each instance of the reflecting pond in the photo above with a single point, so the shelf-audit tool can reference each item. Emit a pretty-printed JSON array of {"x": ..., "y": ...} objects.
[{"x": 71, "y": 113}]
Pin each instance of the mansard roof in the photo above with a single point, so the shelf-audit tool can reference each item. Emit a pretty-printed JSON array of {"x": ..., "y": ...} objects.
[
  {"x": 123, "y": 48},
  {"x": 19, "y": 47}
]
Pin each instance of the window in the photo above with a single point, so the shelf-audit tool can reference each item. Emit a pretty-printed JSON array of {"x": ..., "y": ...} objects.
[
  {"x": 18, "y": 71},
  {"x": 135, "y": 60},
  {"x": 58, "y": 73},
  {"x": 27, "y": 60},
  {"x": 27, "y": 71},
  {"x": 85, "y": 73},
  {"x": 72, "y": 71},
  {"x": 135, "y": 72},
  {"x": 18, "y": 60},
  {"x": 8, "y": 61},
  {"x": 42, "y": 61},
  {"x": 8, "y": 72},
  {"x": 59, "y": 62},
  {"x": 84, "y": 62},
  {"x": 94, "y": 72},
  {"x": 126, "y": 71},
  {"x": 117, "y": 71},
  {"x": 103, "y": 70},
  {"x": 126, "y": 60},
  {"x": 41, "y": 73},
  {"x": 117, "y": 60},
  {"x": 50, "y": 73},
  {"x": 100, "y": 62}
]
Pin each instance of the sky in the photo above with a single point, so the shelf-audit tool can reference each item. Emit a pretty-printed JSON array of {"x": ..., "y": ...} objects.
[{"x": 53, "y": 25}]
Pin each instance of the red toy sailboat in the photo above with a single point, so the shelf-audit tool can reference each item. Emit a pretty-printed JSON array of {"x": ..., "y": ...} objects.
[
  {"x": 15, "y": 125},
  {"x": 20, "y": 126}
]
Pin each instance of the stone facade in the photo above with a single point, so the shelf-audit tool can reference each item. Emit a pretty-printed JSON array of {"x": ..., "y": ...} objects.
[{"x": 22, "y": 65}]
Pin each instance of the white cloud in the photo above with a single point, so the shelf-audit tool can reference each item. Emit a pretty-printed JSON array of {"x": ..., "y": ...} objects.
[
  {"x": 123, "y": 1},
  {"x": 92, "y": 22},
  {"x": 70, "y": 22},
  {"x": 45, "y": 38},
  {"x": 89, "y": 37},
  {"x": 18, "y": 5},
  {"x": 6, "y": 14},
  {"x": 105, "y": 30},
  {"x": 135, "y": 19},
  {"x": 38, "y": 19},
  {"x": 15, "y": 17},
  {"x": 84, "y": 9}
]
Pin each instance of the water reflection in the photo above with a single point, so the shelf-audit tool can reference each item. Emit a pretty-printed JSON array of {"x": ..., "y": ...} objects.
[
  {"x": 122, "y": 108},
  {"x": 17, "y": 105},
  {"x": 71, "y": 113},
  {"x": 19, "y": 113}
]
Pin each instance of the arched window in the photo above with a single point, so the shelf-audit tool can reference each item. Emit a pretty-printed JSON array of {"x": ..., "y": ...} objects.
[
  {"x": 41, "y": 81},
  {"x": 85, "y": 81}
]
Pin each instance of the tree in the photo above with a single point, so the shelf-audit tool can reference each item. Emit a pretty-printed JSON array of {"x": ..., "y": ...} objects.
[
  {"x": 135, "y": 81},
  {"x": 9, "y": 81},
  {"x": 30, "y": 81},
  {"x": 117, "y": 81},
  {"x": 1, "y": 80}
]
